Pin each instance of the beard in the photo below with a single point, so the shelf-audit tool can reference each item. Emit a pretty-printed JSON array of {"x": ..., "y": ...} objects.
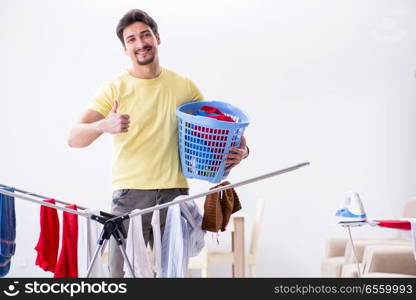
[{"x": 146, "y": 61}]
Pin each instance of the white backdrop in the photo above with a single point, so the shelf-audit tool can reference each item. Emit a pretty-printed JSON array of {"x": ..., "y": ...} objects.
[{"x": 330, "y": 82}]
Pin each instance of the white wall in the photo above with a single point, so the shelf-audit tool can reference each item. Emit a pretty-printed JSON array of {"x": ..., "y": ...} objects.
[{"x": 330, "y": 82}]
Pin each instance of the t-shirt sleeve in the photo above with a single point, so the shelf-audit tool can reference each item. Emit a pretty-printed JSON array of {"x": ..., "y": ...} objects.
[
  {"x": 195, "y": 92},
  {"x": 103, "y": 99}
]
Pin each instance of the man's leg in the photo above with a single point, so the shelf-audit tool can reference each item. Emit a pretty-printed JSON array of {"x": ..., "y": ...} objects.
[
  {"x": 120, "y": 205},
  {"x": 126, "y": 200}
]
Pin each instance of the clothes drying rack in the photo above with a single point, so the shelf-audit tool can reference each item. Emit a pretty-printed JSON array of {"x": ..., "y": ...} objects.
[
  {"x": 113, "y": 225},
  {"x": 102, "y": 218}
]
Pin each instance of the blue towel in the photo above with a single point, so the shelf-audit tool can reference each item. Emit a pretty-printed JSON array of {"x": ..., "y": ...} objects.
[{"x": 7, "y": 231}]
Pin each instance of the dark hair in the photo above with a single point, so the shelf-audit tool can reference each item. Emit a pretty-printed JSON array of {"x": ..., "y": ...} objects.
[{"x": 135, "y": 15}]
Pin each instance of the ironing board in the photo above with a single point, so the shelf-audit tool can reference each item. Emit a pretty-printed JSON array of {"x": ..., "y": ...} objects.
[
  {"x": 395, "y": 224},
  {"x": 399, "y": 224}
]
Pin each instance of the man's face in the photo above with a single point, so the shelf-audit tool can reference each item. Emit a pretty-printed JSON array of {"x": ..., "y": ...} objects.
[{"x": 141, "y": 43}]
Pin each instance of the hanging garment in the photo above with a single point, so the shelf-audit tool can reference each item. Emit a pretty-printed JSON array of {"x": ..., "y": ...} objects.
[
  {"x": 213, "y": 218},
  {"x": 230, "y": 203},
  {"x": 89, "y": 234},
  {"x": 136, "y": 250},
  {"x": 157, "y": 243},
  {"x": 67, "y": 265},
  {"x": 218, "y": 208},
  {"x": 190, "y": 211},
  {"x": 174, "y": 244},
  {"x": 182, "y": 238},
  {"x": 7, "y": 231},
  {"x": 48, "y": 242}
]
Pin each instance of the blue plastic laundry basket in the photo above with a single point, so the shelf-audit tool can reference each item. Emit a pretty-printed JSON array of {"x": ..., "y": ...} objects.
[{"x": 203, "y": 141}]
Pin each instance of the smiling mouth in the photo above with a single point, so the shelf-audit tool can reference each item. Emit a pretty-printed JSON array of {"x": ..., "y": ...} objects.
[{"x": 143, "y": 51}]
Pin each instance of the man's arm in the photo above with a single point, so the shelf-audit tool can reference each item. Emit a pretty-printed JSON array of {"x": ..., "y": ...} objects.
[
  {"x": 92, "y": 124},
  {"x": 87, "y": 130}
]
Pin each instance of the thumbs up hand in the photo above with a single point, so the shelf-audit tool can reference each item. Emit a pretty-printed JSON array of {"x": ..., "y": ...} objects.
[
  {"x": 115, "y": 107},
  {"x": 115, "y": 122}
]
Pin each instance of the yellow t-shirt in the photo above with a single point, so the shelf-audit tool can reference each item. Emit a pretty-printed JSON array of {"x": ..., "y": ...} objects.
[{"x": 147, "y": 157}]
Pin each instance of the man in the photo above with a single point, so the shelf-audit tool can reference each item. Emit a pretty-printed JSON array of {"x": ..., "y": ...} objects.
[{"x": 138, "y": 108}]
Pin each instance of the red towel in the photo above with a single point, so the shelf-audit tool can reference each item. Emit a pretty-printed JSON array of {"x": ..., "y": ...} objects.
[
  {"x": 216, "y": 113},
  {"x": 67, "y": 266},
  {"x": 397, "y": 224},
  {"x": 48, "y": 243}
]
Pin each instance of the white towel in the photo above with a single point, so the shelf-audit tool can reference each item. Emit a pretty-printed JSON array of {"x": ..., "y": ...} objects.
[
  {"x": 89, "y": 232},
  {"x": 136, "y": 250},
  {"x": 157, "y": 243},
  {"x": 174, "y": 244}
]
